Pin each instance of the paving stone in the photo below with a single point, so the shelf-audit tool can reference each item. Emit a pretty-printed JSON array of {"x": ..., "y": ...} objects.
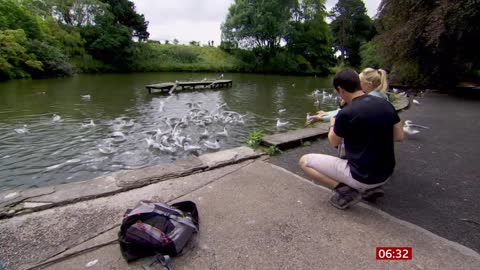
[
  {"x": 226, "y": 157},
  {"x": 157, "y": 173},
  {"x": 296, "y": 137},
  {"x": 66, "y": 193}
]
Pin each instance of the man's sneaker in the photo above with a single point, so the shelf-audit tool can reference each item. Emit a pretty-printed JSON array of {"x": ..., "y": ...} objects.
[
  {"x": 344, "y": 196},
  {"x": 373, "y": 194}
]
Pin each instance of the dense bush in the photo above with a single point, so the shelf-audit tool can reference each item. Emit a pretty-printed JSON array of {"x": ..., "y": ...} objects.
[
  {"x": 15, "y": 62},
  {"x": 55, "y": 63}
]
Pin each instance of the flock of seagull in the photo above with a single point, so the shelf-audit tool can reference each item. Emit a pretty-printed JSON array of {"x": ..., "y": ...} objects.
[{"x": 199, "y": 129}]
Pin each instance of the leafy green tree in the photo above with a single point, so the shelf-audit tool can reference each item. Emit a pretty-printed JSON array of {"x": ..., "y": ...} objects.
[
  {"x": 67, "y": 39},
  {"x": 14, "y": 16},
  {"x": 77, "y": 13},
  {"x": 15, "y": 62},
  {"x": 260, "y": 24},
  {"x": 370, "y": 55},
  {"x": 430, "y": 42},
  {"x": 309, "y": 36},
  {"x": 288, "y": 36},
  {"x": 67, "y": 12},
  {"x": 350, "y": 27},
  {"x": 109, "y": 42},
  {"x": 54, "y": 61},
  {"x": 124, "y": 14}
]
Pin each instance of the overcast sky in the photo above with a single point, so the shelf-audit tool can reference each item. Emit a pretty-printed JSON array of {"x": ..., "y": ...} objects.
[{"x": 198, "y": 20}]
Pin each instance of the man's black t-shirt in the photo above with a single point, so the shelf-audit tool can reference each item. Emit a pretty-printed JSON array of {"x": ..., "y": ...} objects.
[{"x": 367, "y": 128}]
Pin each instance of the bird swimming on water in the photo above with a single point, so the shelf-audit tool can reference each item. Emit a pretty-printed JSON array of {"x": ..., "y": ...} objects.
[
  {"x": 56, "y": 118},
  {"x": 22, "y": 130},
  {"x": 90, "y": 124},
  {"x": 212, "y": 145}
]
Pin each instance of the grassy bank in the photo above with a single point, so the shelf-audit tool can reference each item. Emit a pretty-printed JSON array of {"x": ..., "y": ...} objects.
[{"x": 165, "y": 57}]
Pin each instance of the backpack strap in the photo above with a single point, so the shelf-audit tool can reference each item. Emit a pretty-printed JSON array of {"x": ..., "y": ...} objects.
[{"x": 164, "y": 260}]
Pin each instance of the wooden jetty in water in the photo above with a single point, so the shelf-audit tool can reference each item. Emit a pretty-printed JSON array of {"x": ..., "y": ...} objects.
[{"x": 169, "y": 86}]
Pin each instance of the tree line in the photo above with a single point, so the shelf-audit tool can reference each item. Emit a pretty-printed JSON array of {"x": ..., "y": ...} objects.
[
  {"x": 420, "y": 42},
  {"x": 40, "y": 38}
]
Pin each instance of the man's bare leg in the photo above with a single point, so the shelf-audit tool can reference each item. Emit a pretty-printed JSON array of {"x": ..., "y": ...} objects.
[{"x": 316, "y": 175}]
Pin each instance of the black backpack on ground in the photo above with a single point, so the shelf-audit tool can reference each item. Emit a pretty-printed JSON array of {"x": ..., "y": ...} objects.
[{"x": 157, "y": 228}]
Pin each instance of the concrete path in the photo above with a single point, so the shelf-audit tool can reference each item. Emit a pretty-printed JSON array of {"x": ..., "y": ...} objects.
[
  {"x": 436, "y": 182},
  {"x": 253, "y": 215}
]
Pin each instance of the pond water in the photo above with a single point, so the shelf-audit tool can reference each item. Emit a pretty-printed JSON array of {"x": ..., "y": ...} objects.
[{"x": 57, "y": 131}]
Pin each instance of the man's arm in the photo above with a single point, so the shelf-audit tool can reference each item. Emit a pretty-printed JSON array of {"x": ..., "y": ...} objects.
[
  {"x": 398, "y": 132},
  {"x": 333, "y": 138}
]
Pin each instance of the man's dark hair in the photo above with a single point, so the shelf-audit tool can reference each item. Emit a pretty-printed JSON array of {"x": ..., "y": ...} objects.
[{"x": 347, "y": 79}]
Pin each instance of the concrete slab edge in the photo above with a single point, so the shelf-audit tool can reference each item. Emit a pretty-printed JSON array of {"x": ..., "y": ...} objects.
[
  {"x": 29, "y": 204},
  {"x": 460, "y": 248},
  {"x": 109, "y": 238},
  {"x": 294, "y": 143}
]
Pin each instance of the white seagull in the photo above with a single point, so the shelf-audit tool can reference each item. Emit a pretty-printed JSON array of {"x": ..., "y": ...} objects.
[
  {"x": 281, "y": 124},
  {"x": 212, "y": 145},
  {"x": 189, "y": 147},
  {"x": 223, "y": 133},
  {"x": 91, "y": 124},
  {"x": 416, "y": 102},
  {"x": 22, "y": 130},
  {"x": 409, "y": 128},
  {"x": 204, "y": 134},
  {"x": 56, "y": 118}
]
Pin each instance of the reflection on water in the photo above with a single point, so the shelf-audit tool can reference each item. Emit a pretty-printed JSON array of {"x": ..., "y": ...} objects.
[{"x": 62, "y": 130}]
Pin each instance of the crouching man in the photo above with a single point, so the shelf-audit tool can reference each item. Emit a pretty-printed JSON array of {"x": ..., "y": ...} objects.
[{"x": 369, "y": 126}]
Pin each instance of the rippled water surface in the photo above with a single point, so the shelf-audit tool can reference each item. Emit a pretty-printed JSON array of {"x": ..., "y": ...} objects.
[{"x": 62, "y": 130}]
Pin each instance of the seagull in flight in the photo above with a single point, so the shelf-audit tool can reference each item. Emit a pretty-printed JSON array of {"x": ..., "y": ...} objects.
[
  {"x": 409, "y": 128},
  {"x": 223, "y": 133}
]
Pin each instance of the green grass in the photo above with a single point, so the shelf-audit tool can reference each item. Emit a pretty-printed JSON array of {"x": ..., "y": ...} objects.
[
  {"x": 254, "y": 138},
  {"x": 169, "y": 57},
  {"x": 273, "y": 150}
]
